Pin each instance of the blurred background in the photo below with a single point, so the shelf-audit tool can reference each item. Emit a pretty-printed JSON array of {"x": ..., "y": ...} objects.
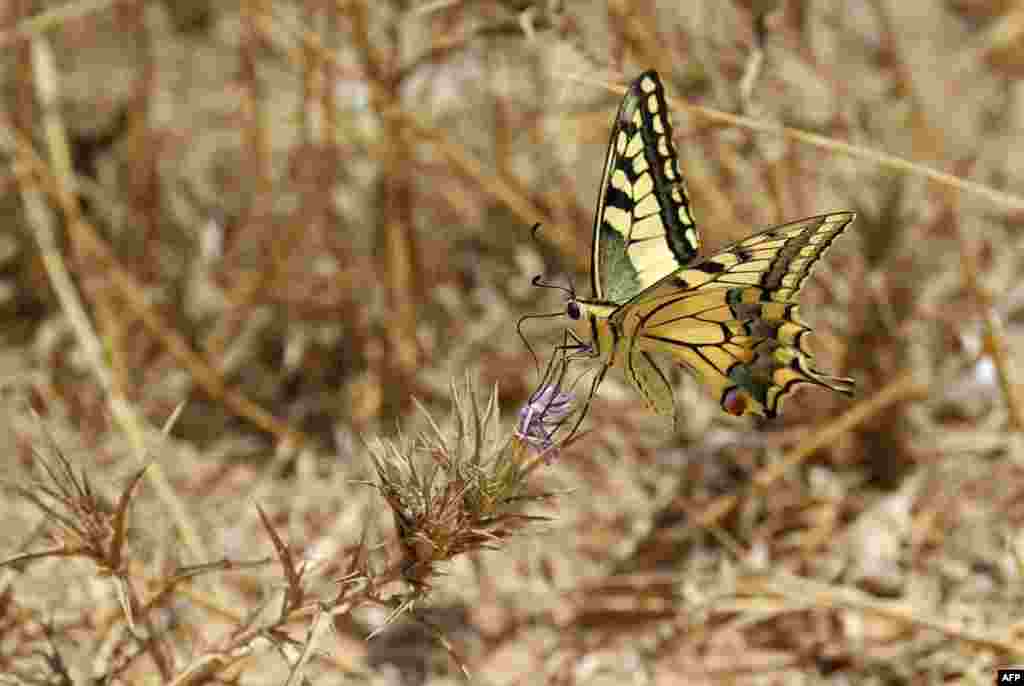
[{"x": 301, "y": 221}]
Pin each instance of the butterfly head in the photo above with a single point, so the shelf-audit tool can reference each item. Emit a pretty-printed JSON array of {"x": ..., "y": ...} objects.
[
  {"x": 573, "y": 309},
  {"x": 578, "y": 309}
]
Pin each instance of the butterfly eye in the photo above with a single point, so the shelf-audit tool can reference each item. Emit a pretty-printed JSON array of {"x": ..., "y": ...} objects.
[{"x": 573, "y": 309}]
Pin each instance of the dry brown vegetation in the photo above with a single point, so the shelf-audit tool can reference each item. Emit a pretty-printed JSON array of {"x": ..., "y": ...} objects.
[{"x": 239, "y": 238}]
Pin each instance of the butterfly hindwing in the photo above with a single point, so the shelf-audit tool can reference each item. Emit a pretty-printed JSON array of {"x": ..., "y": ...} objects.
[
  {"x": 651, "y": 383},
  {"x": 643, "y": 228},
  {"x": 733, "y": 319}
]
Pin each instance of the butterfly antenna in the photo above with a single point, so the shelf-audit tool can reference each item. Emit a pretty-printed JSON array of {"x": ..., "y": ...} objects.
[
  {"x": 571, "y": 290},
  {"x": 540, "y": 283}
]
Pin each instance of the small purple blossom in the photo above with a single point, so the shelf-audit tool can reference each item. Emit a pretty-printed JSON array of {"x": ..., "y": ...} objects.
[{"x": 541, "y": 416}]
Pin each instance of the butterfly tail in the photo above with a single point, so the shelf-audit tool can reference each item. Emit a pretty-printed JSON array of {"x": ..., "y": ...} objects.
[
  {"x": 751, "y": 352},
  {"x": 779, "y": 359},
  {"x": 774, "y": 372}
]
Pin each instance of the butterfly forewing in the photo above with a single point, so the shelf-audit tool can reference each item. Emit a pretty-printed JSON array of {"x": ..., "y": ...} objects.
[
  {"x": 777, "y": 260},
  {"x": 643, "y": 228}
]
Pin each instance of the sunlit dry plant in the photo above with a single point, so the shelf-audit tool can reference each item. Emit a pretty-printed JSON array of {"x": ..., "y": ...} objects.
[
  {"x": 457, "y": 489},
  {"x": 83, "y": 524}
]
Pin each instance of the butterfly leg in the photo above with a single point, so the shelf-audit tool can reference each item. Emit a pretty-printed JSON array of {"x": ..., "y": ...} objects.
[{"x": 586, "y": 405}]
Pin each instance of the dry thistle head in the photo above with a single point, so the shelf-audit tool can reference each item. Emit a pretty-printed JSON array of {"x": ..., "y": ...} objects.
[{"x": 454, "y": 490}]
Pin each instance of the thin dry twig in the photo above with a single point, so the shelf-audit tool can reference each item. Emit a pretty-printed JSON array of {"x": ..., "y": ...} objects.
[
  {"x": 509, "y": 192},
  {"x": 258, "y": 188},
  {"x": 399, "y": 251},
  {"x": 1002, "y": 199},
  {"x": 206, "y": 376},
  {"x": 320, "y": 624},
  {"x": 904, "y": 388},
  {"x": 63, "y": 185},
  {"x": 802, "y": 589},
  {"x": 993, "y": 337},
  {"x": 53, "y": 18}
]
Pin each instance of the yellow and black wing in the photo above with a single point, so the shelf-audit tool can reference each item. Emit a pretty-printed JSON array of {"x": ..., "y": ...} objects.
[
  {"x": 643, "y": 229},
  {"x": 733, "y": 319}
]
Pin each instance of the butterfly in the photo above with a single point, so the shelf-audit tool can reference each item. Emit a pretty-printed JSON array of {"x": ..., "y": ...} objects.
[{"x": 731, "y": 319}]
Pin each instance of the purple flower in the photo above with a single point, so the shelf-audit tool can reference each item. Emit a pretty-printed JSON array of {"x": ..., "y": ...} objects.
[{"x": 542, "y": 415}]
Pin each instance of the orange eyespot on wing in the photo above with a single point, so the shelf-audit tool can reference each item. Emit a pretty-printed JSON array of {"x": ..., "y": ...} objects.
[{"x": 734, "y": 402}]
